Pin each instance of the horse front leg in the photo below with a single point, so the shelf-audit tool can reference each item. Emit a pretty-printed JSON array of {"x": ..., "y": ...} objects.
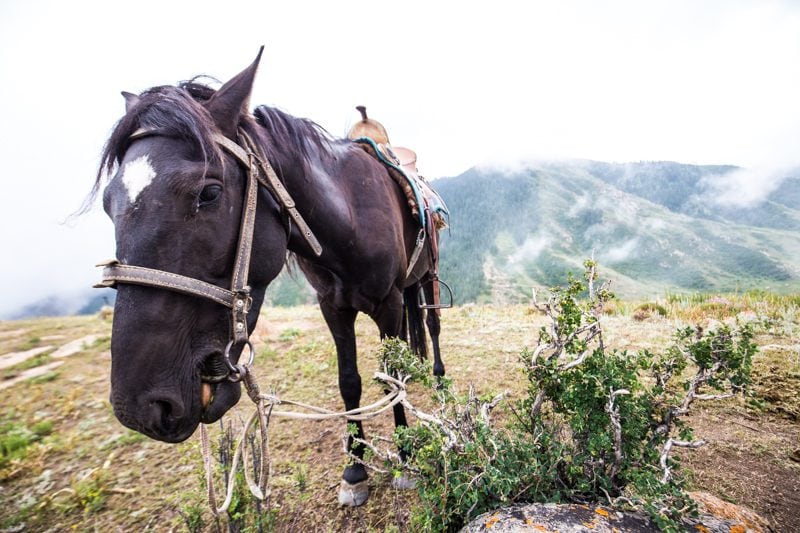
[
  {"x": 389, "y": 319},
  {"x": 354, "y": 489}
]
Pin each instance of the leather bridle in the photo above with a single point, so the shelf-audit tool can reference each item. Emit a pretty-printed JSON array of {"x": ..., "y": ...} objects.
[{"x": 237, "y": 298}]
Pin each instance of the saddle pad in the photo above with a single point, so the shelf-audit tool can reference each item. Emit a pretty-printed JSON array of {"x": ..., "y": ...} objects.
[{"x": 421, "y": 196}]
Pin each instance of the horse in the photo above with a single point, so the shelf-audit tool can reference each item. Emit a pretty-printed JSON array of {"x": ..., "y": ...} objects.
[{"x": 204, "y": 195}]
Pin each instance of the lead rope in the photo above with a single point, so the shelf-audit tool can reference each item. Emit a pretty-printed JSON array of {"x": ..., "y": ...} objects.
[
  {"x": 258, "y": 487},
  {"x": 264, "y": 410}
]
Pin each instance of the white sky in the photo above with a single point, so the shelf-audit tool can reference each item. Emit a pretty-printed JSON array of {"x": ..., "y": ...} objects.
[{"x": 463, "y": 83}]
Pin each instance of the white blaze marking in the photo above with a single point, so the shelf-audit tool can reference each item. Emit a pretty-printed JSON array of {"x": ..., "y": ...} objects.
[{"x": 137, "y": 175}]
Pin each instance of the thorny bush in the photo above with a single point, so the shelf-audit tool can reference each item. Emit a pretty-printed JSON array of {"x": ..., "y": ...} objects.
[{"x": 597, "y": 425}]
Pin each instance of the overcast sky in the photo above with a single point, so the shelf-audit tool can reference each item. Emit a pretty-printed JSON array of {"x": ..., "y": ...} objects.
[{"x": 463, "y": 83}]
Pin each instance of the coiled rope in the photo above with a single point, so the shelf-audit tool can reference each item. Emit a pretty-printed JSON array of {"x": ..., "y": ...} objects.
[{"x": 264, "y": 410}]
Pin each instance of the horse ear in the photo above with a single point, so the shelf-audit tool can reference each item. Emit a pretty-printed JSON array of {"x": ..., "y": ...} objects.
[
  {"x": 130, "y": 100},
  {"x": 233, "y": 99}
]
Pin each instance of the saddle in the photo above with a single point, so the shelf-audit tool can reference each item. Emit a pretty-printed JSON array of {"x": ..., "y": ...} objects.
[
  {"x": 423, "y": 201},
  {"x": 426, "y": 205}
]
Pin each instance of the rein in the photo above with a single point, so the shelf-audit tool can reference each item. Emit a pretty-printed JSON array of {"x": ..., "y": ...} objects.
[{"x": 237, "y": 299}]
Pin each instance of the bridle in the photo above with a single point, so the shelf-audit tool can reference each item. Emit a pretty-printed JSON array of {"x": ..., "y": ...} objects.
[{"x": 237, "y": 298}]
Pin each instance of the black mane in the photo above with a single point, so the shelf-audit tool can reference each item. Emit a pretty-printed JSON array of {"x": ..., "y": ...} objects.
[
  {"x": 177, "y": 111},
  {"x": 170, "y": 111},
  {"x": 289, "y": 137}
]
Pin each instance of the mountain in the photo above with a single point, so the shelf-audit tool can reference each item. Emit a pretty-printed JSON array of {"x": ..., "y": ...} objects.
[
  {"x": 85, "y": 302},
  {"x": 653, "y": 227}
]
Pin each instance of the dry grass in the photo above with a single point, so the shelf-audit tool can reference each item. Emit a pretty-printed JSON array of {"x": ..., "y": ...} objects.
[{"x": 89, "y": 473}]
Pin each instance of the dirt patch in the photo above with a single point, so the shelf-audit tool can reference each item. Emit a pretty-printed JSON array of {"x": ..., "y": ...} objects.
[
  {"x": 777, "y": 380},
  {"x": 748, "y": 461}
]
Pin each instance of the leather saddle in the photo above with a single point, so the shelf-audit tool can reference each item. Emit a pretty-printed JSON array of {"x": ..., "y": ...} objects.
[{"x": 402, "y": 165}]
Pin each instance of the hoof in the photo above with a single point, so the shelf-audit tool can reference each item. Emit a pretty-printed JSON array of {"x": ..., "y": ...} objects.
[
  {"x": 403, "y": 482},
  {"x": 353, "y": 494}
]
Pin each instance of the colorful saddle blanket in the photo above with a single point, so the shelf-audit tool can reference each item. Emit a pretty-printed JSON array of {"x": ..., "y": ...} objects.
[{"x": 422, "y": 199}]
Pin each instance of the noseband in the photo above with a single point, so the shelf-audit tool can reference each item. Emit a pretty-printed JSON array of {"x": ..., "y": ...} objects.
[{"x": 238, "y": 298}]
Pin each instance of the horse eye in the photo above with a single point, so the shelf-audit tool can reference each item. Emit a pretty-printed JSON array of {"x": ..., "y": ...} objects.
[{"x": 210, "y": 193}]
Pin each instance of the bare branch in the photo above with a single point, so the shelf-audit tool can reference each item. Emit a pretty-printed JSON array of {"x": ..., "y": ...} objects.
[
  {"x": 714, "y": 396},
  {"x": 613, "y": 414},
  {"x": 668, "y": 447},
  {"x": 537, "y": 404},
  {"x": 487, "y": 408}
]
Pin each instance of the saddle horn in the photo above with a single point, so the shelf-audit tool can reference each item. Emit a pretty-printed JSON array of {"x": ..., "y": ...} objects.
[{"x": 367, "y": 127}]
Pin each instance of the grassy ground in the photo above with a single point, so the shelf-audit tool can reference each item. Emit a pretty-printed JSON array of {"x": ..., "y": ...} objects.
[{"x": 67, "y": 464}]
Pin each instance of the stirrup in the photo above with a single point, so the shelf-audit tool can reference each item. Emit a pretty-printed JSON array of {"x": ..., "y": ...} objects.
[{"x": 423, "y": 304}]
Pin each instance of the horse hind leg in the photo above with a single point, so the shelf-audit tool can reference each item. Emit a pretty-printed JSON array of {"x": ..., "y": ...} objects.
[
  {"x": 433, "y": 322},
  {"x": 354, "y": 488},
  {"x": 414, "y": 323}
]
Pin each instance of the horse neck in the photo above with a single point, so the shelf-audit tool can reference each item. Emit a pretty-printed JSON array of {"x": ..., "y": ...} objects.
[{"x": 318, "y": 195}]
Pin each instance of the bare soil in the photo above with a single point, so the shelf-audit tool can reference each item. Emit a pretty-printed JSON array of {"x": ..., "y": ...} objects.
[{"x": 88, "y": 473}]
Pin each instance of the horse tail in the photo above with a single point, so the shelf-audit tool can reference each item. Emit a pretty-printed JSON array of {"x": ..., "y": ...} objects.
[{"x": 414, "y": 322}]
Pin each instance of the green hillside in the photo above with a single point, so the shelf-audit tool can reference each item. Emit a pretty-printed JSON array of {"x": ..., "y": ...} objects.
[{"x": 653, "y": 226}]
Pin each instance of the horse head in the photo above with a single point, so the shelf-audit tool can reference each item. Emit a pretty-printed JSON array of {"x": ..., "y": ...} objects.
[{"x": 176, "y": 199}]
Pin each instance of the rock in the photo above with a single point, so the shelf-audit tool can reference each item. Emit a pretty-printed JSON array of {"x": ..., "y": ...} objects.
[
  {"x": 716, "y": 516},
  {"x": 15, "y": 358},
  {"x": 564, "y": 518},
  {"x": 11, "y": 333},
  {"x": 30, "y": 374},
  {"x": 76, "y": 346},
  {"x": 733, "y": 515}
]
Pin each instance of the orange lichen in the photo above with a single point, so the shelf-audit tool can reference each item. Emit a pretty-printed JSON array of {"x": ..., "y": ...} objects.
[
  {"x": 738, "y": 528},
  {"x": 601, "y": 512}
]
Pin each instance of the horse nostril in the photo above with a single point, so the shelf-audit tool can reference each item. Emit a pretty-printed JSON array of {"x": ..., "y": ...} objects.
[{"x": 165, "y": 410}]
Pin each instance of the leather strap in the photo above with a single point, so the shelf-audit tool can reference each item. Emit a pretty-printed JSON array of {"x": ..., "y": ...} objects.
[
  {"x": 269, "y": 179},
  {"x": 241, "y": 267},
  {"x": 415, "y": 254},
  {"x": 114, "y": 272},
  {"x": 238, "y": 298}
]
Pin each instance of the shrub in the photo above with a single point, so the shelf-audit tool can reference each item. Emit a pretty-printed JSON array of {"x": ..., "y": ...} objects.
[
  {"x": 589, "y": 429},
  {"x": 648, "y": 309}
]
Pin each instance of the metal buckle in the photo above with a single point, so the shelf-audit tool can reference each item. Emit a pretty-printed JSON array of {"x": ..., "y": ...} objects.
[{"x": 239, "y": 370}]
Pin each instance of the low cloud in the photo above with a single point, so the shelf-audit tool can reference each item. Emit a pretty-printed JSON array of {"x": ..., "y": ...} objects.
[
  {"x": 581, "y": 202},
  {"x": 746, "y": 187},
  {"x": 621, "y": 252},
  {"x": 530, "y": 250}
]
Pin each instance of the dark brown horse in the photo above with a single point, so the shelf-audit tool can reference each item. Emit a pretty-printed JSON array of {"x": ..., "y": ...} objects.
[{"x": 178, "y": 194}]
